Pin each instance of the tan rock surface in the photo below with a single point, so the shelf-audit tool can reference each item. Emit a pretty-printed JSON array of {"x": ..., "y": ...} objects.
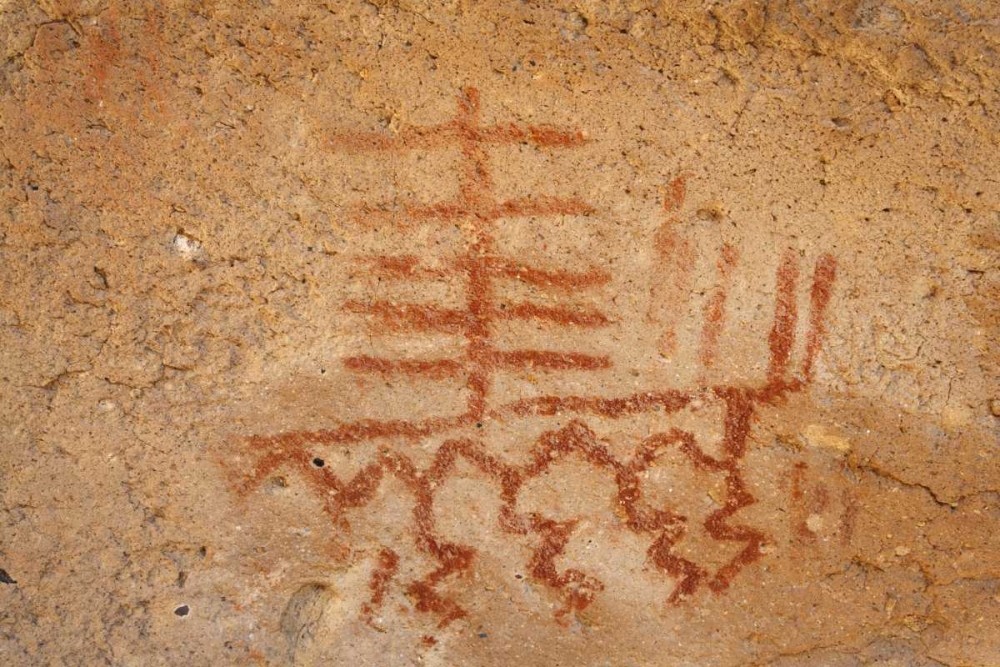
[{"x": 489, "y": 333}]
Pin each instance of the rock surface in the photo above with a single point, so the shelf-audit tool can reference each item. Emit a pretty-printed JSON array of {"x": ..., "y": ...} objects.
[{"x": 485, "y": 333}]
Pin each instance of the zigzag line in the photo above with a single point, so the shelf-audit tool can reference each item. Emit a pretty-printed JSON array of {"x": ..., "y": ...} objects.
[{"x": 576, "y": 588}]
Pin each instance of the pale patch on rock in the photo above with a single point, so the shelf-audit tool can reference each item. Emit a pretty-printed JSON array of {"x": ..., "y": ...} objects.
[
  {"x": 186, "y": 246},
  {"x": 955, "y": 416},
  {"x": 817, "y": 435}
]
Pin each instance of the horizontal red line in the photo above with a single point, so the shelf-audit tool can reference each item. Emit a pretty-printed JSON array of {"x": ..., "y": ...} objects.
[
  {"x": 434, "y": 368},
  {"x": 452, "y": 134},
  {"x": 408, "y": 266},
  {"x": 543, "y": 278},
  {"x": 669, "y": 401},
  {"x": 404, "y": 266},
  {"x": 565, "y": 316},
  {"x": 548, "y": 360},
  {"x": 370, "y": 429},
  {"x": 402, "y": 317},
  {"x": 542, "y": 205},
  {"x": 448, "y": 211},
  {"x": 539, "y": 135}
]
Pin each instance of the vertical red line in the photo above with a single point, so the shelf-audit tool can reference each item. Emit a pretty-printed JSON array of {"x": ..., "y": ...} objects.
[
  {"x": 673, "y": 273},
  {"x": 715, "y": 308},
  {"x": 476, "y": 195},
  {"x": 785, "y": 317},
  {"x": 823, "y": 277},
  {"x": 476, "y": 188}
]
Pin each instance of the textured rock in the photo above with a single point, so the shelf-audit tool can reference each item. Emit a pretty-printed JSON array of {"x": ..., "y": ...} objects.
[{"x": 406, "y": 332}]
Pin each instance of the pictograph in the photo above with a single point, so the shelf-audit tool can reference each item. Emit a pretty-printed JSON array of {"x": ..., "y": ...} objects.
[{"x": 478, "y": 361}]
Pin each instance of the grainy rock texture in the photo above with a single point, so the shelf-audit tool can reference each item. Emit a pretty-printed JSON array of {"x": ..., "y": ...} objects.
[{"x": 500, "y": 333}]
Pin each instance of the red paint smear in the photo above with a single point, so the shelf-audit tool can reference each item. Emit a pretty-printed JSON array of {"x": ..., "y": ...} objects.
[
  {"x": 107, "y": 53},
  {"x": 677, "y": 191},
  {"x": 672, "y": 282}
]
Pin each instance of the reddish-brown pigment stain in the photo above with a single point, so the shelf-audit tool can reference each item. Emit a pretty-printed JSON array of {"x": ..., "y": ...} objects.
[
  {"x": 478, "y": 269},
  {"x": 109, "y": 52},
  {"x": 106, "y": 49},
  {"x": 676, "y": 192}
]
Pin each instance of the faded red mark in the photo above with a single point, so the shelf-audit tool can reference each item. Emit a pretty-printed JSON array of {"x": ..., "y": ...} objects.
[
  {"x": 813, "y": 497},
  {"x": 105, "y": 47},
  {"x": 715, "y": 308},
  {"x": 478, "y": 270},
  {"x": 459, "y": 130},
  {"x": 676, "y": 192},
  {"x": 109, "y": 51},
  {"x": 676, "y": 258}
]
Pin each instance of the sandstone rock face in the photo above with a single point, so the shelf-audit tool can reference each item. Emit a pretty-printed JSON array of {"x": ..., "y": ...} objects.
[{"x": 488, "y": 333}]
